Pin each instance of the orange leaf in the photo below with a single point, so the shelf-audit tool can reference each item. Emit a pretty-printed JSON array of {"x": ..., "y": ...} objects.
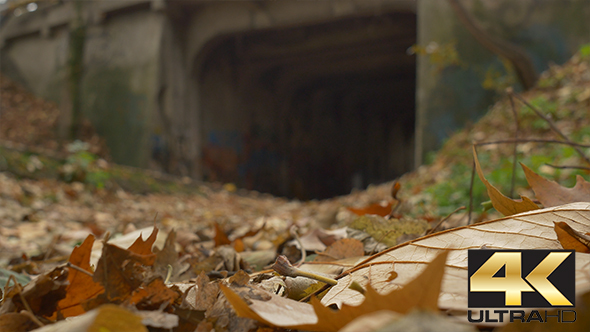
[
  {"x": 376, "y": 208},
  {"x": 395, "y": 189},
  {"x": 505, "y": 205},
  {"x": 420, "y": 293},
  {"x": 220, "y": 236},
  {"x": 153, "y": 295},
  {"x": 81, "y": 287},
  {"x": 142, "y": 247},
  {"x": 239, "y": 245},
  {"x": 550, "y": 193},
  {"x": 570, "y": 239}
]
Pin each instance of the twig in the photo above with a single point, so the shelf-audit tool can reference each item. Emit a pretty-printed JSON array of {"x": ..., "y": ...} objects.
[
  {"x": 569, "y": 166},
  {"x": 471, "y": 193},
  {"x": 32, "y": 317},
  {"x": 552, "y": 125},
  {"x": 533, "y": 140},
  {"x": 79, "y": 269},
  {"x": 283, "y": 267},
  {"x": 444, "y": 219},
  {"x": 514, "y": 159},
  {"x": 19, "y": 289},
  {"x": 168, "y": 274}
]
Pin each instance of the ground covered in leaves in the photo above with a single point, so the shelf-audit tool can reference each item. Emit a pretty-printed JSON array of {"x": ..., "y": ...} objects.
[{"x": 207, "y": 263}]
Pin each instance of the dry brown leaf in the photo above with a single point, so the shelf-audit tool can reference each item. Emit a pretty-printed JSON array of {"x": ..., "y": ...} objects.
[
  {"x": 582, "y": 323},
  {"x": 153, "y": 295},
  {"x": 108, "y": 317},
  {"x": 550, "y": 193},
  {"x": 41, "y": 294},
  {"x": 16, "y": 321},
  {"x": 205, "y": 293},
  {"x": 530, "y": 230},
  {"x": 121, "y": 271},
  {"x": 570, "y": 239},
  {"x": 168, "y": 258},
  {"x": 505, "y": 205},
  {"x": 220, "y": 236},
  {"x": 81, "y": 287},
  {"x": 420, "y": 293},
  {"x": 343, "y": 248}
]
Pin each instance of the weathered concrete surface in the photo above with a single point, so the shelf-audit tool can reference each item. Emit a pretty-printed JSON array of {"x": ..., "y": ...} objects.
[{"x": 120, "y": 82}]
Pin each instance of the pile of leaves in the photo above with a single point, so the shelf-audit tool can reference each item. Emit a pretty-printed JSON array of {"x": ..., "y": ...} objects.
[
  {"x": 33, "y": 122},
  {"x": 384, "y": 256}
]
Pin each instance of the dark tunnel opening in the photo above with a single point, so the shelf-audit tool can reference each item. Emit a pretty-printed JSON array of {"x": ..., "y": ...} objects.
[{"x": 310, "y": 112}]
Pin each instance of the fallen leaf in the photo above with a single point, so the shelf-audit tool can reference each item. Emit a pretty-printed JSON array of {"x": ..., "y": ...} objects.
[
  {"x": 550, "y": 193},
  {"x": 142, "y": 247},
  {"x": 570, "y": 239},
  {"x": 344, "y": 248},
  {"x": 582, "y": 323},
  {"x": 505, "y": 205},
  {"x": 420, "y": 293},
  {"x": 168, "y": 258},
  {"x": 42, "y": 294},
  {"x": 153, "y": 295},
  {"x": 380, "y": 209},
  {"x": 220, "y": 236},
  {"x": 158, "y": 319},
  {"x": 240, "y": 278},
  {"x": 416, "y": 321},
  {"x": 389, "y": 231},
  {"x": 81, "y": 287},
  {"x": 204, "y": 294},
  {"x": 16, "y": 321},
  {"x": 121, "y": 271},
  {"x": 529, "y": 230},
  {"x": 108, "y": 317}
]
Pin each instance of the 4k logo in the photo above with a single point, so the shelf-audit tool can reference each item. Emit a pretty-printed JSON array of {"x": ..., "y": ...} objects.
[{"x": 523, "y": 278}]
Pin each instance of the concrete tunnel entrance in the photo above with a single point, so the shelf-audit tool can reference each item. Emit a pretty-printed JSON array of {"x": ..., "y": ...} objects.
[{"x": 310, "y": 111}]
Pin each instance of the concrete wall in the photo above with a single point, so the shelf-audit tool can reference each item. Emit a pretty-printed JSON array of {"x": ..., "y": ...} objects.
[{"x": 120, "y": 82}]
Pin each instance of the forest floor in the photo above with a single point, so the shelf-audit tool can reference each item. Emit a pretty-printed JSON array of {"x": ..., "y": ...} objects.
[{"x": 54, "y": 193}]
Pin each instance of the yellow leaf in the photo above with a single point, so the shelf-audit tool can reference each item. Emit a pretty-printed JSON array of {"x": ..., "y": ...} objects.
[{"x": 505, "y": 205}]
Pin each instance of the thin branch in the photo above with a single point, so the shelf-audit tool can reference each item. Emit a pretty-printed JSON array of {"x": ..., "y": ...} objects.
[
  {"x": 551, "y": 124},
  {"x": 471, "y": 193},
  {"x": 514, "y": 159},
  {"x": 569, "y": 167},
  {"x": 32, "y": 317},
  {"x": 531, "y": 140},
  {"x": 79, "y": 269},
  {"x": 444, "y": 219}
]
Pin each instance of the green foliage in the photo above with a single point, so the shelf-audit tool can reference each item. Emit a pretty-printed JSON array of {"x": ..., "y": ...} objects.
[
  {"x": 81, "y": 166},
  {"x": 498, "y": 79},
  {"x": 440, "y": 55},
  {"x": 585, "y": 51},
  {"x": 454, "y": 192}
]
